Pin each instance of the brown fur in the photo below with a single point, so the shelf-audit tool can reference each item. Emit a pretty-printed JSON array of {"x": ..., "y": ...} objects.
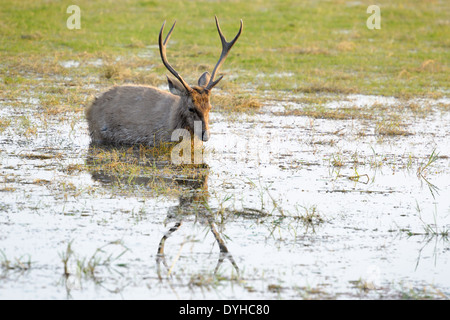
[
  {"x": 145, "y": 115},
  {"x": 132, "y": 114}
]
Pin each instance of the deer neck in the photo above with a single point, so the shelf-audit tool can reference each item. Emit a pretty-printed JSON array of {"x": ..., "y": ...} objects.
[{"x": 177, "y": 119}]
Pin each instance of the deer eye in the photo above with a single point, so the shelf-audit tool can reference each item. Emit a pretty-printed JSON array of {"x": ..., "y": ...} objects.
[{"x": 191, "y": 109}]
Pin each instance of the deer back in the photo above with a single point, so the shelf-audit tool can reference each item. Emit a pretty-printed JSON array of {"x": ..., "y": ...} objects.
[{"x": 132, "y": 115}]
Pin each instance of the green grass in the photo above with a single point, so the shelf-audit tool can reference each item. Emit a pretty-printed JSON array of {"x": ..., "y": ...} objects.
[{"x": 311, "y": 46}]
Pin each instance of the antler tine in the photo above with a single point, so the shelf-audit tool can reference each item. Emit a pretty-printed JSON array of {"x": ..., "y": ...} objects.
[
  {"x": 226, "y": 47},
  {"x": 162, "y": 51}
]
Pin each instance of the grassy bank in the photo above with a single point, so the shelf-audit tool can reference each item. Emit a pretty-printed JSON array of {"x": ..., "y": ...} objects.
[{"x": 297, "y": 46}]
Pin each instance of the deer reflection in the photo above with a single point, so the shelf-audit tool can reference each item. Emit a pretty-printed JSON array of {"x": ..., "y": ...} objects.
[
  {"x": 147, "y": 168},
  {"x": 194, "y": 201}
]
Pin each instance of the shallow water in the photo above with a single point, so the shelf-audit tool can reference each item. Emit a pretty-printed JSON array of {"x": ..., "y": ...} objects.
[{"x": 296, "y": 207}]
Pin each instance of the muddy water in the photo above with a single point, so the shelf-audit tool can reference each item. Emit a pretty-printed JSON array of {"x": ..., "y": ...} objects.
[{"x": 285, "y": 207}]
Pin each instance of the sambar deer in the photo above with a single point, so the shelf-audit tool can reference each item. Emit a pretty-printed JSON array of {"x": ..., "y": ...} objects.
[{"x": 137, "y": 114}]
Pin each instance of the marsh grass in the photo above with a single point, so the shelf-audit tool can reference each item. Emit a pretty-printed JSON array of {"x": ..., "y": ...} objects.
[
  {"x": 280, "y": 222},
  {"x": 364, "y": 285},
  {"x": 407, "y": 292},
  {"x": 355, "y": 164},
  {"x": 309, "y": 48},
  {"x": 213, "y": 281},
  {"x": 32, "y": 156},
  {"x": 236, "y": 102},
  {"x": 22, "y": 263},
  {"x": 310, "y": 217},
  {"x": 337, "y": 160},
  {"x": 88, "y": 267},
  {"x": 322, "y": 112},
  {"x": 387, "y": 118},
  {"x": 4, "y": 123},
  {"x": 424, "y": 169},
  {"x": 431, "y": 230},
  {"x": 63, "y": 100},
  {"x": 391, "y": 127},
  {"x": 151, "y": 168},
  {"x": 26, "y": 127}
]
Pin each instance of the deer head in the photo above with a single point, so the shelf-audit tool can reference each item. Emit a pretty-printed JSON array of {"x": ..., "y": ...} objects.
[{"x": 195, "y": 101}]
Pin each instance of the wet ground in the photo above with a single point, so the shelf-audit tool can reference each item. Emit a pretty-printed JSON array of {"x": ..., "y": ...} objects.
[{"x": 287, "y": 206}]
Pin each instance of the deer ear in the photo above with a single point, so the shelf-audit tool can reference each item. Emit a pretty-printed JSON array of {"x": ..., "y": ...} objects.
[
  {"x": 204, "y": 79},
  {"x": 176, "y": 88}
]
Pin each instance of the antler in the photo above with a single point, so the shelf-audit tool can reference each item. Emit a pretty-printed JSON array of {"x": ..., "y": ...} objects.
[
  {"x": 162, "y": 51},
  {"x": 226, "y": 47}
]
